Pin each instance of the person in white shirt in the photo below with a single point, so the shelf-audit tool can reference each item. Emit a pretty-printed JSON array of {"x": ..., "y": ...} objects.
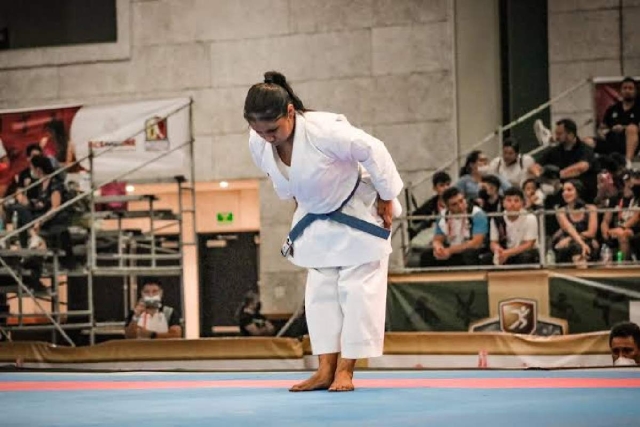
[
  {"x": 514, "y": 236},
  {"x": 345, "y": 185},
  {"x": 151, "y": 319},
  {"x": 512, "y": 166}
]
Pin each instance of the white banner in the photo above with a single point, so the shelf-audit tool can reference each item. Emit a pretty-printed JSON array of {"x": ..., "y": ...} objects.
[{"x": 138, "y": 132}]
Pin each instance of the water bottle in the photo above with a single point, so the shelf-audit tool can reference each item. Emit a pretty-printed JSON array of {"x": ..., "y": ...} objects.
[
  {"x": 14, "y": 220},
  {"x": 605, "y": 255},
  {"x": 551, "y": 257}
]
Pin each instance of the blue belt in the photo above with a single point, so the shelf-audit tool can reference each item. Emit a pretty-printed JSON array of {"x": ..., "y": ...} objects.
[{"x": 337, "y": 216}]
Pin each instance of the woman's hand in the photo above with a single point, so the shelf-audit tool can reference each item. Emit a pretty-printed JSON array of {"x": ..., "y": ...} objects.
[
  {"x": 385, "y": 210},
  {"x": 586, "y": 250}
]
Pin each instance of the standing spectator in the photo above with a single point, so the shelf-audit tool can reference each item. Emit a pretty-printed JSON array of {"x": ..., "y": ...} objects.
[
  {"x": 624, "y": 342},
  {"x": 475, "y": 167},
  {"x": 460, "y": 240},
  {"x": 618, "y": 132},
  {"x": 514, "y": 235},
  {"x": 512, "y": 166},
  {"x": 573, "y": 157},
  {"x": 434, "y": 206},
  {"x": 575, "y": 241}
]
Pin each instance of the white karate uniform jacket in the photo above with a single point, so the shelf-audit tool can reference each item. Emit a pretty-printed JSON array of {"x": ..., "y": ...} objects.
[{"x": 327, "y": 152}]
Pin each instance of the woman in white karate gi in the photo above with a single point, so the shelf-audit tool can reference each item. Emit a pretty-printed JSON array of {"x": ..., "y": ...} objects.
[{"x": 330, "y": 167}]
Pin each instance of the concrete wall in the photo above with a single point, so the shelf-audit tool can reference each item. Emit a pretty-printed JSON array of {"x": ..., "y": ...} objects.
[
  {"x": 386, "y": 64},
  {"x": 588, "y": 38}
]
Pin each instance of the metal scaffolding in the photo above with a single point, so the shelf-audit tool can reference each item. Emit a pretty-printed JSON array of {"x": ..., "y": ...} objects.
[{"x": 125, "y": 262}]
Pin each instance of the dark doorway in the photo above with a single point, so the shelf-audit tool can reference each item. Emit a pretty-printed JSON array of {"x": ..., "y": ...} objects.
[{"x": 228, "y": 264}]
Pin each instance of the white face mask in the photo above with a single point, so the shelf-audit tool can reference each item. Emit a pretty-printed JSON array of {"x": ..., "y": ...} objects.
[
  {"x": 484, "y": 170},
  {"x": 547, "y": 189},
  {"x": 623, "y": 361},
  {"x": 152, "y": 300}
]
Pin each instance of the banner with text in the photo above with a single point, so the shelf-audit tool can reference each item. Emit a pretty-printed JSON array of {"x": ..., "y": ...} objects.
[{"x": 136, "y": 132}]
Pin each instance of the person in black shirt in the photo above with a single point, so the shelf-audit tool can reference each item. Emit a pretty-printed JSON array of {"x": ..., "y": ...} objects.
[
  {"x": 490, "y": 199},
  {"x": 618, "y": 132},
  {"x": 441, "y": 181},
  {"x": 250, "y": 320},
  {"x": 574, "y": 158}
]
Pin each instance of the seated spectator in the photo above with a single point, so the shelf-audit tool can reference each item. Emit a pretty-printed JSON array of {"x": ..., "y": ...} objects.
[
  {"x": 514, "y": 235},
  {"x": 489, "y": 198},
  {"x": 512, "y": 166},
  {"x": 475, "y": 167},
  {"x": 533, "y": 196},
  {"x": 609, "y": 180},
  {"x": 624, "y": 342},
  {"x": 250, "y": 320},
  {"x": 620, "y": 227},
  {"x": 576, "y": 240},
  {"x": 150, "y": 318},
  {"x": 573, "y": 157},
  {"x": 434, "y": 206},
  {"x": 618, "y": 132},
  {"x": 460, "y": 240}
]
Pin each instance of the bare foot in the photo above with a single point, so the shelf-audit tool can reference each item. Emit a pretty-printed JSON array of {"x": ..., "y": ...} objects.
[
  {"x": 342, "y": 382},
  {"x": 319, "y": 381}
]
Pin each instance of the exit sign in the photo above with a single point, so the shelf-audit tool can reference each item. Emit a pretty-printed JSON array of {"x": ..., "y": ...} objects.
[{"x": 224, "y": 217}]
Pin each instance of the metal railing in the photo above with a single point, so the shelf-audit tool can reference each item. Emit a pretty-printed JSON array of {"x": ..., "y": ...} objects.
[{"x": 543, "y": 243}]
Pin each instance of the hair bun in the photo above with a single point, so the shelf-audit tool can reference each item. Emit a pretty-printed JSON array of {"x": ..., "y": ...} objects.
[{"x": 275, "y": 78}]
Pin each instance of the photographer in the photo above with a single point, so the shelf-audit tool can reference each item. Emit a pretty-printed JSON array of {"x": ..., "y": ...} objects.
[{"x": 150, "y": 318}]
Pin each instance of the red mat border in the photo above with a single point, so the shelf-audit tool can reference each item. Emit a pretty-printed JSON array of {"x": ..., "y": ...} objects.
[{"x": 468, "y": 383}]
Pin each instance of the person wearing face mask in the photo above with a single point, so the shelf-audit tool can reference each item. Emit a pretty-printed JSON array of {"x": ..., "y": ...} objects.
[
  {"x": 150, "y": 318},
  {"x": 624, "y": 342},
  {"x": 253, "y": 323},
  {"x": 489, "y": 198},
  {"x": 470, "y": 176}
]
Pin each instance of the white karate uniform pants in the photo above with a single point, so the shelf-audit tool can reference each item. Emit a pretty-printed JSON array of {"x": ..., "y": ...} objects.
[{"x": 345, "y": 309}]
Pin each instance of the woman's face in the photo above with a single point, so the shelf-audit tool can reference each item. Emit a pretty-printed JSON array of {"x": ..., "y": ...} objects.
[
  {"x": 509, "y": 155},
  {"x": 569, "y": 193},
  {"x": 529, "y": 189},
  {"x": 481, "y": 163},
  {"x": 278, "y": 131}
]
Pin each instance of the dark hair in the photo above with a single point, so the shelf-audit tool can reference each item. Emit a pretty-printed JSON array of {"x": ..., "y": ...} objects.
[
  {"x": 628, "y": 79},
  {"x": 514, "y": 191},
  {"x": 440, "y": 177},
  {"x": 472, "y": 157},
  {"x": 569, "y": 125},
  {"x": 513, "y": 143},
  {"x": 579, "y": 186},
  {"x": 491, "y": 180},
  {"x": 528, "y": 180},
  {"x": 33, "y": 147},
  {"x": 450, "y": 193},
  {"x": 56, "y": 129},
  {"x": 268, "y": 101},
  {"x": 156, "y": 282},
  {"x": 42, "y": 162},
  {"x": 624, "y": 330}
]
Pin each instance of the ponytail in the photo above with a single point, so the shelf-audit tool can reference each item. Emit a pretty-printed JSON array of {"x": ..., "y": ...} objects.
[{"x": 268, "y": 101}]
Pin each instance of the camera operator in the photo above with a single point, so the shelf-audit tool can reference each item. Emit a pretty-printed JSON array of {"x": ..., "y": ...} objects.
[{"x": 150, "y": 318}]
